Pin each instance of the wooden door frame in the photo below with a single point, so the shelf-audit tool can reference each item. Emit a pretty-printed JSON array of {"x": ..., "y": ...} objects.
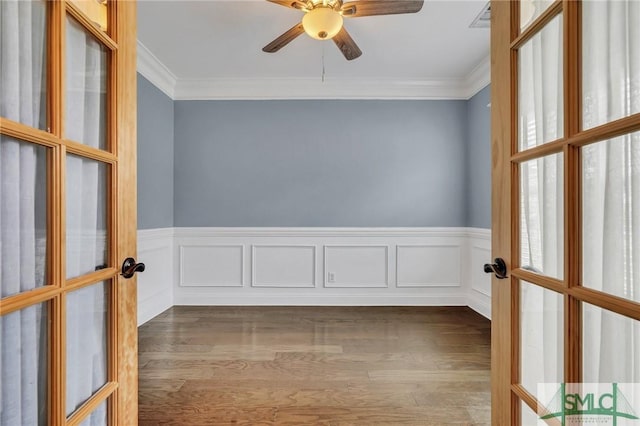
[
  {"x": 122, "y": 381},
  {"x": 506, "y": 39},
  {"x": 125, "y": 403},
  {"x": 502, "y": 130}
]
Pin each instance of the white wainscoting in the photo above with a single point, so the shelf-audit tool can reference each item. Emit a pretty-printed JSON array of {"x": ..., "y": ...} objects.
[
  {"x": 155, "y": 285},
  {"x": 428, "y": 265},
  {"x": 283, "y": 266},
  {"x": 480, "y": 282},
  {"x": 314, "y": 266},
  {"x": 322, "y": 266},
  {"x": 211, "y": 265},
  {"x": 357, "y": 266}
]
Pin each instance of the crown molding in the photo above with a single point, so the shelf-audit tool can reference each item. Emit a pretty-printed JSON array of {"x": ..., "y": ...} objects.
[
  {"x": 479, "y": 77},
  {"x": 155, "y": 71},
  {"x": 309, "y": 88}
]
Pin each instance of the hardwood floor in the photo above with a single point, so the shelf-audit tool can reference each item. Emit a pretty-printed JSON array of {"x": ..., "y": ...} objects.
[{"x": 315, "y": 366}]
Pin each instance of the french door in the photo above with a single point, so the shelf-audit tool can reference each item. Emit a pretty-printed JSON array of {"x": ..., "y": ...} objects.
[
  {"x": 566, "y": 206},
  {"x": 68, "y": 337}
]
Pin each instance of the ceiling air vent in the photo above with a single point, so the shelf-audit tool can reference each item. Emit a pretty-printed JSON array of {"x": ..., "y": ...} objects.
[{"x": 483, "y": 20}]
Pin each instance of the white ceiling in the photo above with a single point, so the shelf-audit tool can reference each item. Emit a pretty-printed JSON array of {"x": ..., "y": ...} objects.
[{"x": 212, "y": 49}]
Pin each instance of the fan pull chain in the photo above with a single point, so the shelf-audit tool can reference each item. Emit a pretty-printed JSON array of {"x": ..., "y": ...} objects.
[{"x": 323, "y": 69}]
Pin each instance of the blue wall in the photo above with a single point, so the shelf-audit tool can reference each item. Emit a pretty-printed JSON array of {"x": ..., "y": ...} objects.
[
  {"x": 312, "y": 163},
  {"x": 478, "y": 190},
  {"x": 320, "y": 163},
  {"x": 155, "y": 157}
]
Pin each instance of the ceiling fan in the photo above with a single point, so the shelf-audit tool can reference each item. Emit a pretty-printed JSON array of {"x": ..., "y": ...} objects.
[{"x": 323, "y": 20}]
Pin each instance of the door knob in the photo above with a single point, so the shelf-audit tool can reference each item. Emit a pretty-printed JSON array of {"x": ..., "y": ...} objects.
[
  {"x": 499, "y": 268},
  {"x": 130, "y": 267}
]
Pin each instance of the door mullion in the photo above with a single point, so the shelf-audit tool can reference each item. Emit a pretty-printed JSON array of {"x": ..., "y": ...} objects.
[
  {"x": 54, "y": 68},
  {"x": 573, "y": 263},
  {"x": 113, "y": 209},
  {"x": 55, "y": 210},
  {"x": 59, "y": 344},
  {"x": 572, "y": 66},
  {"x": 515, "y": 363},
  {"x": 572, "y": 191}
]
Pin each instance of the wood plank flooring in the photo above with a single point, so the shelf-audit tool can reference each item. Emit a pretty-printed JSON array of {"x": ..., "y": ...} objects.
[{"x": 315, "y": 366}]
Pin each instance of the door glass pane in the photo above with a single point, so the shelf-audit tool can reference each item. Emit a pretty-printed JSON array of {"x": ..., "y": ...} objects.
[
  {"x": 23, "y": 53},
  {"x": 542, "y": 216},
  {"x": 611, "y": 347},
  {"x": 97, "y": 417},
  {"x": 87, "y": 335},
  {"x": 611, "y": 216},
  {"x": 86, "y": 87},
  {"x": 23, "y": 366},
  {"x": 540, "y": 87},
  {"x": 531, "y": 9},
  {"x": 527, "y": 416},
  {"x": 610, "y": 60},
  {"x": 23, "y": 216},
  {"x": 541, "y": 336},
  {"x": 86, "y": 216}
]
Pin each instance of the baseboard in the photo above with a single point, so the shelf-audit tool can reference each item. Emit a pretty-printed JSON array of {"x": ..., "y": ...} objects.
[
  {"x": 314, "y": 267},
  {"x": 323, "y": 300}
]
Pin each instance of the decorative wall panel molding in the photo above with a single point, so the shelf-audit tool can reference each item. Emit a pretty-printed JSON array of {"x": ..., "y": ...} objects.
[
  {"x": 428, "y": 265},
  {"x": 283, "y": 266},
  {"x": 359, "y": 266},
  {"x": 211, "y": 265},
  {"x": 313, "y": 266}
]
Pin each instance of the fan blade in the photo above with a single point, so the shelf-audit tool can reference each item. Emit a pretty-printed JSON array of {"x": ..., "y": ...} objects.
[
  {"x": 347, "y": 46},
  {"x": 284, "y": 39},
  {"x": 356, "y": 9},
  {"x": 290, "y": 3}
]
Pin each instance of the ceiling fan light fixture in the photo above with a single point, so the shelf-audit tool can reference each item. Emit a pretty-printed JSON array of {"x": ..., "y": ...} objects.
[{"x": 322, "y": 23}]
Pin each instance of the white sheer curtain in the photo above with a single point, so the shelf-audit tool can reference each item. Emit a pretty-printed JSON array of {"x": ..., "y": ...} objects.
[
  {"x": 611, "y": 181},
  {"x": 86, "y": 223},
  {"x": 541, "y": 202},
  {"x": 23, "y": 336},
  {"x": 611, "y": 192},
  {"x": 23, "y": 344}
]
